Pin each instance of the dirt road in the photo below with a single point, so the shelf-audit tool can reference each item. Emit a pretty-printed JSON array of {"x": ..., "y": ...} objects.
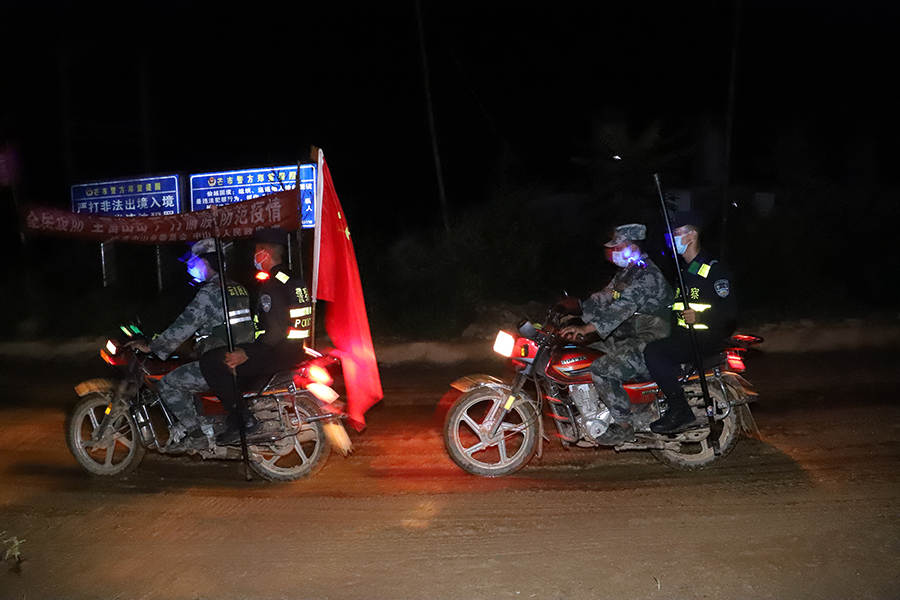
[{"x": 810, "y": 511}]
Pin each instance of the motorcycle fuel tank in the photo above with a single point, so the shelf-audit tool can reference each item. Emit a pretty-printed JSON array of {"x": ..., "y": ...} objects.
[{"x": 571, "y": 364}]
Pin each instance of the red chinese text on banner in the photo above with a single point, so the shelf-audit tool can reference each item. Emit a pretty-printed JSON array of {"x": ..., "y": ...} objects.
[{"x": 232, "y": 221}]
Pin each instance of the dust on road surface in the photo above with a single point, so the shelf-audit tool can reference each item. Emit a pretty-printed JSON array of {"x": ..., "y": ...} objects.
[{"x": 810, "y": 511}]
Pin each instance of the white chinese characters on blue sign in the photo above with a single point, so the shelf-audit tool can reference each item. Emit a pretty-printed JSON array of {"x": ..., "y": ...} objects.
[
  {"x": 228, "y": 187},
  {"x": 143, "y": 197}
]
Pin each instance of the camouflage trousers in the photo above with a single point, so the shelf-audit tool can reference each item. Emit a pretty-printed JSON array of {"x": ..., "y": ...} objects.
[
  {"x": 623, "y": 361},
  {"x": 177, "y": 390}
]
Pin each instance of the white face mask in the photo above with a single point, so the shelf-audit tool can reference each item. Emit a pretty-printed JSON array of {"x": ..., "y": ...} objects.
[
  {"x": 680, "y": 246},
  {"x": 623, "y": 258},
  {"x": 258, "y": 259}
]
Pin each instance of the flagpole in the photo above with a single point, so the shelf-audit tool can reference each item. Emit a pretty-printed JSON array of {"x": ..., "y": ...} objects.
[
  {"x": 317, "y": 237},
  {"x": 299, "y": 231}
]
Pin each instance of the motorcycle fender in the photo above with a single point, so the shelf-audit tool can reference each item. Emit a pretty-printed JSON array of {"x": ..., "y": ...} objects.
[
  {"x": 94, "y": 385},
  {"x": 470, "y": 382},
  {"x": 741, "y": 383}
]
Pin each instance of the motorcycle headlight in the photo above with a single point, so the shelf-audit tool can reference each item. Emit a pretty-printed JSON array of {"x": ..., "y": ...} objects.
[{"x": 504, "y": 343}]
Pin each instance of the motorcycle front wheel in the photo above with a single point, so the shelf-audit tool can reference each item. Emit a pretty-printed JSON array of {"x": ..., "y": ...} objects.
[
  {"x": 296, "y": 456},
  {"x": 117, "y": 451},
  {"x": 467, "y": 435}
]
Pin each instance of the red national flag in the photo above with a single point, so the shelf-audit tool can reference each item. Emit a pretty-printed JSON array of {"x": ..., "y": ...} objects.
[{"x": 345, "y": 318}]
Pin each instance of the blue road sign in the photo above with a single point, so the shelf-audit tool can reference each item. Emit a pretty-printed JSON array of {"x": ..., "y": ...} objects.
[
  {"x": 143, "y": 197},
  {"x": 228, "y": 187}
]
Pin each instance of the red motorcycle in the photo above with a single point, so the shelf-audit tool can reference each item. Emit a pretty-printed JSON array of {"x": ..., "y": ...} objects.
[
  {"x": 493, "y": 428},
  {"x": 117, "y": 420}
]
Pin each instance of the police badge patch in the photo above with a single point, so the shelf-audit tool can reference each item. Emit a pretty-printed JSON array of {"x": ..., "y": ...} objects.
[
  {"x": 265, "y": 302},
  {"x": 722, "y": 288}
]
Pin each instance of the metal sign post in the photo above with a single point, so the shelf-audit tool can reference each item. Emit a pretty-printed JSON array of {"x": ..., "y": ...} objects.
[{"x": 138, "y": 197}]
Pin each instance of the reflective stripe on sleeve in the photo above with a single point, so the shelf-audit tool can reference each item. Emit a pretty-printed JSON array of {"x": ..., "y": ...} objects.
[
  {"x": 297, "y": 334},
  {"x": 694, "y": 306},
  {"x": 301, "y": 312},
  {"x": 681, "y": 323}
]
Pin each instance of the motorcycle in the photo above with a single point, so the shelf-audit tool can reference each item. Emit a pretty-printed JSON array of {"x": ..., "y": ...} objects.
[
  {"x": 116, "y": 421},
  {"x": 493, "y": 427}
]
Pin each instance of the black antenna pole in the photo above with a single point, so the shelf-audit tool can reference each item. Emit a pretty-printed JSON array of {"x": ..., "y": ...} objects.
[
  {"x": 698, "y": 358},
  {"x": 220, "y": 257}
]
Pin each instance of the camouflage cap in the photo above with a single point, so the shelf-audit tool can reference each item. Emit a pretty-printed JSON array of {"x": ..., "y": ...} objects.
[
  {"x": 207, "y": 246},
  {"x": 627, "y": 233}
]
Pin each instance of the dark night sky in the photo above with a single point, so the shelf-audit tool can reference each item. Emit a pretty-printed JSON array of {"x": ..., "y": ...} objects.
[
  {"x": 189, "y": 87},
  {"x": 259, "y": 84}
]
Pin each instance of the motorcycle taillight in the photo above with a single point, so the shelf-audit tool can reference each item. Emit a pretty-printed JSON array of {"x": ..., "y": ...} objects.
[
  {"x": 319, "y": 375},
  {"x": 735, "y": 361}
]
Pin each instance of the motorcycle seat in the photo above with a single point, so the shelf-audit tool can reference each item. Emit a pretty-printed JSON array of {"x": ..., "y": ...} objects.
[
  {"x": 710, "y": 361},
  {"x": 249, "y": 387}
]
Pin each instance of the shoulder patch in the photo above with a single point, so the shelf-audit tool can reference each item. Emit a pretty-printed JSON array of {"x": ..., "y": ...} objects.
[
  {"x": 265, "y": 302},
  {"x": 722, "y": 287}
]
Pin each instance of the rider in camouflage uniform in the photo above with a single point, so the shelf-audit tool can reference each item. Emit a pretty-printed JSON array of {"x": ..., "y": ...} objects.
[
  {"x": 629, "y": 312},
  {"x": 204, "y": 316}
]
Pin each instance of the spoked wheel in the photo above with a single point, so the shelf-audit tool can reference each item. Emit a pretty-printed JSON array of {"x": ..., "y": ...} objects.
[
  {"x": 692, "y": 456},
  {"x": 114, "y": 451},
  {"x": 296, "y": 456},
  {"x": 468, "y": 439}
]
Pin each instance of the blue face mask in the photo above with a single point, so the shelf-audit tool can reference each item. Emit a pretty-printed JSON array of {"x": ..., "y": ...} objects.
[
  {"x": 196, "y": 268},
  {"x": 623, "y": 258},
  {"x": 680, "y": 246}
]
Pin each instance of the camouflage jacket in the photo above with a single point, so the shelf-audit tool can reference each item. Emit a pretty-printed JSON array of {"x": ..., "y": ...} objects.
[
  {"x": 632, "y": 305},
  {"x": 204, "y": 316}
]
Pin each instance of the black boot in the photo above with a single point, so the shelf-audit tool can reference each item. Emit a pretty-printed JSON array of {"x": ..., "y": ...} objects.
[
  {"x": 232, "y": 435},
  {"x": 678, "y": 418}
]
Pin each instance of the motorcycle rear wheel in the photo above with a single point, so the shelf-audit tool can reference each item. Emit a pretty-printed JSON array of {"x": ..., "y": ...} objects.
[
  {"x": 698, "y": 455},
  {"x": 118, "y": 452},
  {"x": 467, "y": 436},
  {"x": 296, "y": 456}
]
